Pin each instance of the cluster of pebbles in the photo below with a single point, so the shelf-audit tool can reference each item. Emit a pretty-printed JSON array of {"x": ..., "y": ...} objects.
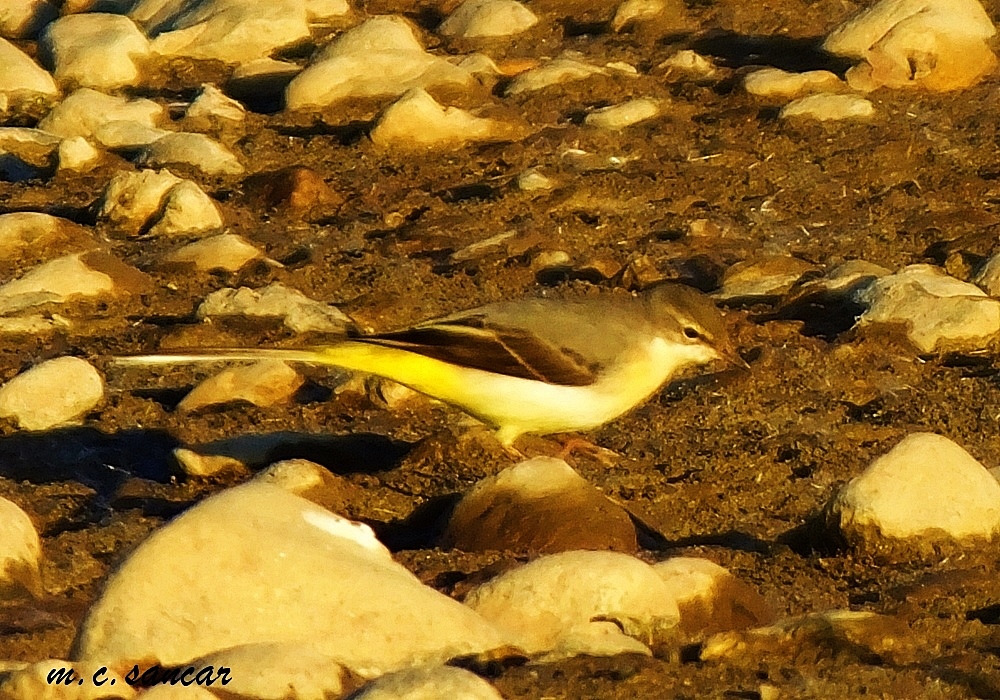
[{"x": 269, "y": 582}]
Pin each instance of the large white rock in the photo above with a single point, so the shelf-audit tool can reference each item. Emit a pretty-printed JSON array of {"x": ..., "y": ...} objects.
[
  {"x": 488, "y": 18},
  {"x": 427, "y": 684},
  {"x": 94, "y": 50},
  {"x": 828, "y": 107},
  {"x": 939, "y": 312},
  {"x": 711, "y": 599},
  {"x": 295, "y": 572},
  {"x": 56, "y": 281},
  {"x": 300, "y": 313},
  {"x": 925, "y": 487},
  {"x": 559, "y": 70},
  {"x": 570, "y": 603},
  {"x": 280, "y": 670},
  {"x": 23, "y": 19},
  {"x": 127, "y": 135},
  {"x": 263, "y": 383},
  {"x": 21, "y": 75},
  {"x": 538, "y": 505},
  {"x": 77, "y": 154},
  {"x": 381, "y": 57},
  {"x": 234, "y": 31},
  {"x": 85, "y": 110},
  {"x": 20, "y": 551},
  {"x": 988, "y": 275},
  {"x": 197, "y": 150},
  {"x": 226, "y": 251},
  {"x": 33, "y": 683},
  {"x": 774, "y": 82},
  {"x": 213, "y": 104},
  {"x": 417, "y": 120},
  {"x": 157, "y": 203},
  {"x": 56, "y": 392},
  {"x": 25, "y": 231},
  {"x": 615, "y": 117},
  {"x": 934, "y": 44}
]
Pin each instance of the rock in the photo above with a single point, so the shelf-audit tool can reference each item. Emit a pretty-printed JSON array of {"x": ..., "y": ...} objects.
[
  {"x": 32, "y": 683},
  {"x": 843, "y": 282},
  {"x": 92, "y": 275},
  {"x": 296, "y": 187},
  {"x": 925, "y": 488},
  {"x": 488, "y": 18},
  {"x": 262, "y": 81},
  {"x": 539, "y": 505},
  {"x": 598, "y": 603},
  {"x": 20, "y": 551},
  {"x": 294, "y": 571},
  {"x": 24, "y": 232},
  {"x": 688, "y": 61},
  {"x": 559, "y": 70},
  {"x": 82, "y": 112},
  {"x": 225, "y": 251},
  {"x": 930, "y": 44},
  {"x": 313, "y": 482},
  {"x": 774, "y": 82},
  {"x": 416, "y": 120},
  {"x": 826, "y": 107},
  {"x": 25, "y": 153},
  {"x": 127, "y": 136},
  {"x": 263, "y": 383},
  {"x": 322, "y": 11},
  {"x": 764, "y": 280},
  {"x": 232, "y": 31},
  {"x": 636, "y": 11},
  {"x": 21, "y": 76},
  {"x": 94, "y": 50},
  {"x": 988, "y": 275},
  {"x": 157, "y": 204},
  {"x": 427, "y": 683},
  {"x": 23, "y": 19},
  {"x": 202, "y": 466},
  {"x": 279, "y": 670},
  {"x": 619, "y": 116},
  {"x": 710, "y": 599},
  {"x": 196, "y": 150},
  {"x": 300, "y": 313},
  {"x": 940, "y": 313},
  {"x": 213, "y": 104},
  {"x": 533, "y": 180},
  {"x": 178, "y": 692},
  {"x": 381, "y": 57},
  {"x": 55, "y": 392},
  {"x": 76, "y": 154},
  {"x": 814, "y": 636}
]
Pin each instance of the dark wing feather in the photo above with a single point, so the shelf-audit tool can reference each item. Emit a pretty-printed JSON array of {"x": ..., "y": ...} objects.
[{"x": 471, "y": 342}]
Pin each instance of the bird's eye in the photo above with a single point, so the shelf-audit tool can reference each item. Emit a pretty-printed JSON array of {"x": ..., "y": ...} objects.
[{"x": 691, "y": 333}]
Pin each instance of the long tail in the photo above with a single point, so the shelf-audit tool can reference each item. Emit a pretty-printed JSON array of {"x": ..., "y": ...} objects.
[{"x": 307, "y": 355}]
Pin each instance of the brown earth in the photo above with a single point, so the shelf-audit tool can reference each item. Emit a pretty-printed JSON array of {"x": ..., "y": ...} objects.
[{"x": 727, "y": 467}]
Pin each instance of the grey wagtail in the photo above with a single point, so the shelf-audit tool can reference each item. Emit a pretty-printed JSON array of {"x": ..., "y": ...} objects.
[{"x": 530, "y": 365}]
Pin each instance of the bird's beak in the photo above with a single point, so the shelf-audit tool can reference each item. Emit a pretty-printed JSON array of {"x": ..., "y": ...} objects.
[{"x": 728, "y": 353}]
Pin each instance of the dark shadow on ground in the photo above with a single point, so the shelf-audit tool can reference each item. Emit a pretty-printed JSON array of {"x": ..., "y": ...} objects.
[{"x": 792, "y": 54}]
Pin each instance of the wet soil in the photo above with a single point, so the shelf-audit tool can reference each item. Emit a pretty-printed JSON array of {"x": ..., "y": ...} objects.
[{"x": 728, "y": 466}]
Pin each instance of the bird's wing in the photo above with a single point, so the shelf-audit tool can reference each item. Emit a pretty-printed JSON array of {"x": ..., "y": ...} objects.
[{"x": 472, "y": 341}]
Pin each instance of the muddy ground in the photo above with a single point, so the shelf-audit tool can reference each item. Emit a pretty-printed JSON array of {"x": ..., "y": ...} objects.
[{"x": 726, "y": 467}]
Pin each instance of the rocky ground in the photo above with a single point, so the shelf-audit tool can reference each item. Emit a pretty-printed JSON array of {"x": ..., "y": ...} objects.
[{"x": 729, "y": 466}]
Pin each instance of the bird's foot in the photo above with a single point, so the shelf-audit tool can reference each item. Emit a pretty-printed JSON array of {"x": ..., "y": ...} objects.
[{"x": 564, "y": 448}]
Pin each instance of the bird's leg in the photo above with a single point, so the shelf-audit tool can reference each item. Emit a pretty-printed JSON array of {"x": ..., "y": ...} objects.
[
  {"x": 563, "y": 447},
  {"x": 601, "y": 455}
]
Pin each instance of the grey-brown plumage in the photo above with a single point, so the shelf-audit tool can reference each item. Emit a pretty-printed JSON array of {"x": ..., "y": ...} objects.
[{"x": 532, "y": 365}]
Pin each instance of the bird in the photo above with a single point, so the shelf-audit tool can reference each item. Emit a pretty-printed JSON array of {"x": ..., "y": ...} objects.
[{"x": 529, "y": 365}]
